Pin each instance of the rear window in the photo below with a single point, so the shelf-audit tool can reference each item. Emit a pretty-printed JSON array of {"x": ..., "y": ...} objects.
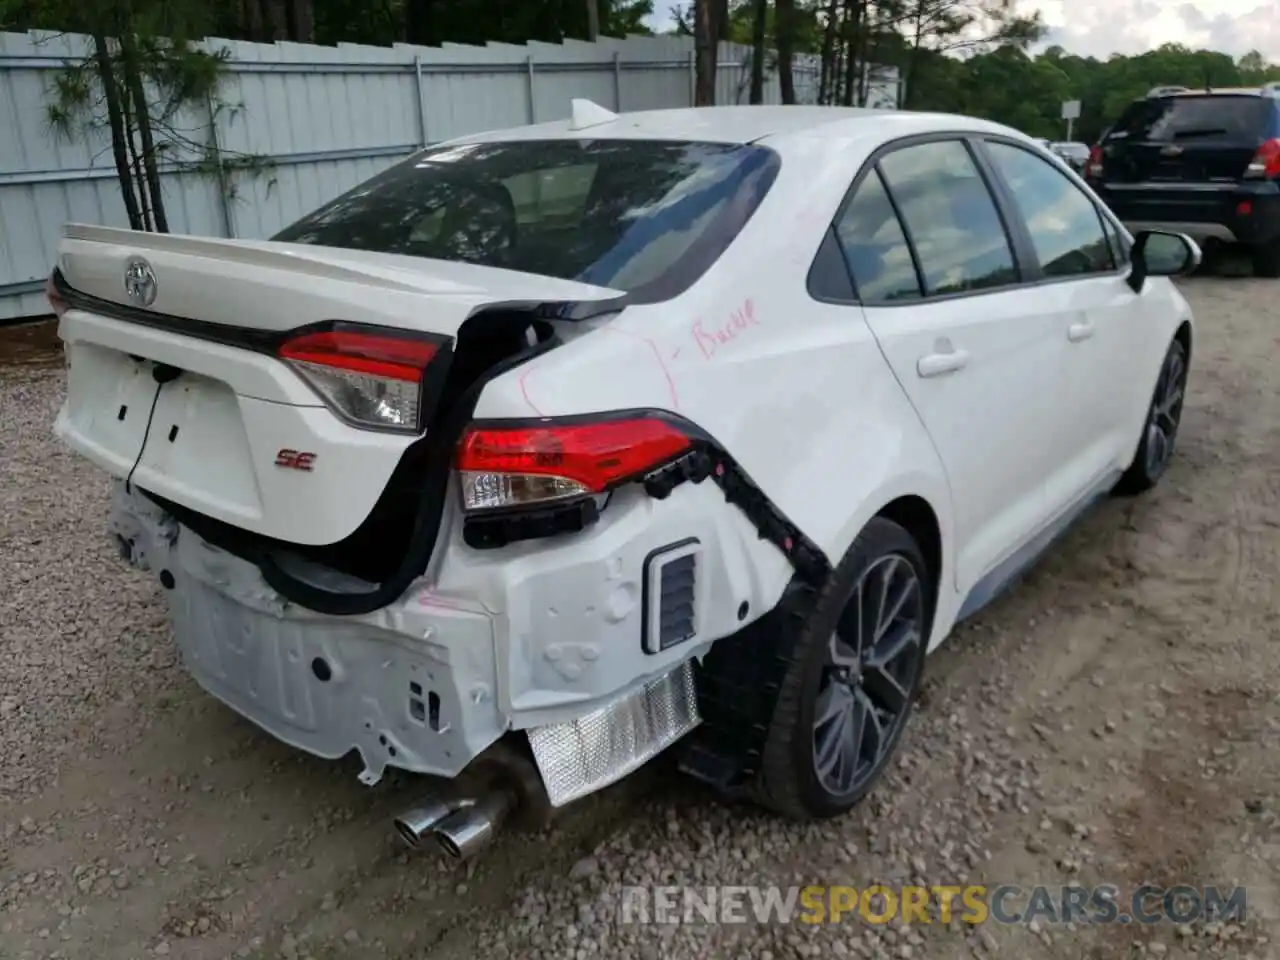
[
  {"x": 1242, "y": 118},
  {"x": 644, "y": 217}
]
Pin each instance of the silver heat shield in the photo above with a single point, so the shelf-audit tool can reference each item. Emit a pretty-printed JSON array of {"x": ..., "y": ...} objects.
[{"x": 602, "y": 747}]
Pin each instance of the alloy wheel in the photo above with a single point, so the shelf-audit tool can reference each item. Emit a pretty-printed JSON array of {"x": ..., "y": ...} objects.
[
  {"x": 865, "y": 689},
  {"x": 1166, "y": 412}
]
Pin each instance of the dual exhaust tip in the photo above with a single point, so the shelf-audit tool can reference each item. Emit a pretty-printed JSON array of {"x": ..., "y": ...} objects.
[{"x": 462, "y": 828}]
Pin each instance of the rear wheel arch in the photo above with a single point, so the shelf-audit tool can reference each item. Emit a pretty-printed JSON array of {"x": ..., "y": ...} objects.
[{"x": 915, "y": 515}]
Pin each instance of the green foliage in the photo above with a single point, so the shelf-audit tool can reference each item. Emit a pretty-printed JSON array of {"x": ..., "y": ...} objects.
[{"x": 1027, "y": 92}]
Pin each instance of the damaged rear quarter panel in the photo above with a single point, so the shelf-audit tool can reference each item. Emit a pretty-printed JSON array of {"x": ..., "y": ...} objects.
[{"x": 795, "y": 390}]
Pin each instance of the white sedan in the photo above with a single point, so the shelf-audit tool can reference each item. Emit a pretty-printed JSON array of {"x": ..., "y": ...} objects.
[{"x": 548, "y": 448}]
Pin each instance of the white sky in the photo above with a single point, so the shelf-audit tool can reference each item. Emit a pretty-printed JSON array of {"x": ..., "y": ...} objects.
[{"x": 1103, "y": 27}]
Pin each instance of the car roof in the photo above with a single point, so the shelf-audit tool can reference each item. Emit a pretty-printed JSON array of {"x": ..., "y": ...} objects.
[{"x": 743, "y": 124}]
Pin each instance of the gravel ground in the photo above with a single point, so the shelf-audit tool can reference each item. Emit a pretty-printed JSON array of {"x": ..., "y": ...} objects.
[{"x": 1115, "y": 719}]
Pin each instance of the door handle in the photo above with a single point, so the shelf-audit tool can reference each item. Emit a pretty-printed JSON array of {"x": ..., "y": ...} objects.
[
  {"x": 938, "y": 364},
  {"x": 1080, "y": 331}
]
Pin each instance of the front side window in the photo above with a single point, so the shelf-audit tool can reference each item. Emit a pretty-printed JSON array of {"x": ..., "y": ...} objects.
[
  {"x": 644, "y": 217},
  {"x": 950, "y": 217},
  {"x": 1119, "y": 245},
  {"x": 1066, "y": 230}
]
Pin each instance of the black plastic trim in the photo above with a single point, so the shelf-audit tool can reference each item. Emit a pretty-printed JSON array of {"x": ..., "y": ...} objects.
[
  {"x": 645, "y": 593},
  {"x": 440, "y": 442},
  {"x": 491, "y": 530},
  {"x": 737, "y": 685}
]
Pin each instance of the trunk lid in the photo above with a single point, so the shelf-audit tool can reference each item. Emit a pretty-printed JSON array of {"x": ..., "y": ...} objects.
[
  {"x": 265, "y": 285},
  {"x": 178, "y": 388}
]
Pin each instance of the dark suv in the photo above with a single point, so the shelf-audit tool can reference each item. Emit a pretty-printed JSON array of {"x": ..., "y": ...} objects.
[{"x": 1204, "y": 163}]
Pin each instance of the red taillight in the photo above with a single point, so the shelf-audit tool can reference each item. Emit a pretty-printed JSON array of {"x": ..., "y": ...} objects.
[
  {"x": 1266, "y": 161},
  {"x": 57, "y": 302},
  {"x": 1093, "y": 168},
  {"x": 515, "y": 466},
  {"x": 374, "y": 354},
  {"x": 371, "y": 378}
]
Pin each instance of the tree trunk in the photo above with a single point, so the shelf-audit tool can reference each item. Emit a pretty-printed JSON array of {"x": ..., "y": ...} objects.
[
  {"x": 277, "y": 20},
  {"x": 301, "y": 17},
  {"x": 914, "y": 60},
  {"x": 720, "y": 19},
  {"x": 705, "y": 52},
  {"x": 115, "y": 119},
  {"x": 142, "y": 118},
  {"x": 253, "y": 20},
  {"x": 593, "y": 20},
  {"x": 136, "y": 174},
  {"x": 420, "y": 21},
  {"x": 864, "y": 48},
  {"x": 784, "y": 33},
  {"x": 758, "y": 31},
  {"x": 853, "y": 31},
  {"x": 829, "y": 66}
]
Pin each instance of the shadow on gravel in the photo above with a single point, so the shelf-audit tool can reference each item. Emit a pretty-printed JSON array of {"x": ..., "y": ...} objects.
[{"x": 30, "y": 345}]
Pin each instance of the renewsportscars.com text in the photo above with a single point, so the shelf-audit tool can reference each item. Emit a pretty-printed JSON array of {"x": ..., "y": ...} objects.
[{"x": 972, "y": 904}]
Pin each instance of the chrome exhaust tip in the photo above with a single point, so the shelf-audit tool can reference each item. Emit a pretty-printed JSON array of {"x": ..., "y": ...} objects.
[
  {"x": 415, "y": 824},
  {"x": 465, "y": 832}
]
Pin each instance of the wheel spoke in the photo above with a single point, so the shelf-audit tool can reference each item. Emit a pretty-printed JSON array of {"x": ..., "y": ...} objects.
[
  {"x": 832, "y": 703},
  {"x": 893, "y": 608},
  {"x": 872, "y": 742},
  {"x": 1169, "y": 403},
  {"x": 833, "y": 736},
  {"x": 882, "y": 689},
  {"x": 893, "y": 645},
  {"x": 885, "y": 571},
  {"x": 851, "y": 742},
  {"x": 841, "y": 653}
]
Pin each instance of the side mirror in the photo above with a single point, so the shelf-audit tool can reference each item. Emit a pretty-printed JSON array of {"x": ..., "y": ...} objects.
[{"x": 1159, "y": 254}]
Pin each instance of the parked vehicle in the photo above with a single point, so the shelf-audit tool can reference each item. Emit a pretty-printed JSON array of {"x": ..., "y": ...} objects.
[
  {"x": 1076, "y": 154},
  {"x": 550, "y": 447},
  {"x": 1201, "y": 162}
]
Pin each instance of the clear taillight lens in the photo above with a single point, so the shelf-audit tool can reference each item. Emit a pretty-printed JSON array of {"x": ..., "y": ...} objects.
[
  {"x": 370, "y": 377},
  {"x": 505, "y": 467}
]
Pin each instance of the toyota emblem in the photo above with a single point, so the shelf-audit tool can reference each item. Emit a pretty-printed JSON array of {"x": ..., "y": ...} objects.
[{"x": 140, "y": 282}]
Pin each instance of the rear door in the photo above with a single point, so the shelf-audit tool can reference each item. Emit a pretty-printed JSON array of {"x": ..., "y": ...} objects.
[{"x": 940, "y": 289}]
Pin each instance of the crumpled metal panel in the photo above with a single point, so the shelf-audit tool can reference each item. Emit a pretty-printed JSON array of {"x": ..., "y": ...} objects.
[{"x": 602, "y": 747}]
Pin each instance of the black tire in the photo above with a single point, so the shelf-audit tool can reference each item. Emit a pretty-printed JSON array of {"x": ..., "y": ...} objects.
[
  {"x": 1160, "y": 428},
  {"x": 789, "y": 782},
  {"x": 1266, "y": 259}
]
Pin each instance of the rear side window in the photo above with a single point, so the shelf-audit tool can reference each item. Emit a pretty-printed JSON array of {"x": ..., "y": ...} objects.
[
  {"x": 1243, "y": 119},
  {"x": 950, "y": 218},
  {"x": 875, "y": 247},
  {"x": 644, "y": 217},
  {"x": 1066, "y": 230}
]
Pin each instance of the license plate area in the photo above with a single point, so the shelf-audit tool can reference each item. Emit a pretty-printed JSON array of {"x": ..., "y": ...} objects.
[
  {"x": 198, "y": 451},
  {"x": 109, "y": 396}
]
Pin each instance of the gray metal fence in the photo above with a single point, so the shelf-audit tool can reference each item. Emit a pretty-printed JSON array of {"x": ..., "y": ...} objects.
[{"x": 318, "y": 120}]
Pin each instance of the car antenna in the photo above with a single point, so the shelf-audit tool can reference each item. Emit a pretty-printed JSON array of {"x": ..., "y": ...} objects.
[{"x": 584, "y": 114}]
